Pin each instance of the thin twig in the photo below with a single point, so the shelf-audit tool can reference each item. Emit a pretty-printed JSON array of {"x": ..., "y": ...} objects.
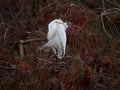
[
  {"x": 104, "y": 28},
  {"x": 38, "y": 32},
  {"x": 115, "y": 4},
  {"x": 30, "y": 82},
  {"x": 103, "y": 21},
  {"x": 9, "y": 26},
  {"x": 110, "y": 11},
  {"x": 107, "y": 12},
  {"x": 8, "y": 67},
  {"x": 8, "y": 13},
  {"x": 43, "y": 34},
  {"x": 5, "y": 34},
  {"x": 21, "y": 49},
  {"x": 113, "y": 24}
]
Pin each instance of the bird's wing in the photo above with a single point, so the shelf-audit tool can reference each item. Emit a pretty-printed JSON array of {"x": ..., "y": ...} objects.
[
  {"x": 61, "y": 34},
  {"x": 62, "y": 38},
  {"x": 52, "y": 28}
]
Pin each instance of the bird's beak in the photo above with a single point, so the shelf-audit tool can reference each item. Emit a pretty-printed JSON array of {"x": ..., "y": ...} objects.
[{"x": 60, "y": 22}]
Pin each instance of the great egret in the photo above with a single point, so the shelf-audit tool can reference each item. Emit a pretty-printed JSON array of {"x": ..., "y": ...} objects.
[{"x": 57, "y": 37}]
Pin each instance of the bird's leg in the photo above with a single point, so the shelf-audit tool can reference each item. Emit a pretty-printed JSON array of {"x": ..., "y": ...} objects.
[
  {"x": 54, "y": 60},
  {"x": 53, "y": 68},
  {"x": 62, "y": 53},
  {"x": 56, "y": 54}
]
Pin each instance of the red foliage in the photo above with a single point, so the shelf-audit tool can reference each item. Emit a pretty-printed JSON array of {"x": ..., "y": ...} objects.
[
  {"x": 89, "y": 63},
  {"x": 20, "y": 64}
]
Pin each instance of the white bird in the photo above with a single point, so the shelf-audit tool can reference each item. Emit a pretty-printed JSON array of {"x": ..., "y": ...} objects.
[{"x": 57, "y": 37}]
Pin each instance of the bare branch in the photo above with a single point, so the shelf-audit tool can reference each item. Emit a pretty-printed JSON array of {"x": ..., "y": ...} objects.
[
  {"x": 21, "y": 46},
  {"x": 32, "y": 40},
  {"x": 38, "y": 32}
]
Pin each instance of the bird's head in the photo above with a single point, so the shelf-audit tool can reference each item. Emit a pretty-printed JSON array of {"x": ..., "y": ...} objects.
[{"x": 59, "y": 21}]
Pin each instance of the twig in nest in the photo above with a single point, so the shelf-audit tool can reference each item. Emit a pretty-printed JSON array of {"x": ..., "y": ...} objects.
[
  {"x": 11, "y": 66},
  {"x": 67, "y": 57}
]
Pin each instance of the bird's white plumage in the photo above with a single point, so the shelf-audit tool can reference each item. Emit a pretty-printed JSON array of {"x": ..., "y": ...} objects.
[{"x": 57, "y": 37}]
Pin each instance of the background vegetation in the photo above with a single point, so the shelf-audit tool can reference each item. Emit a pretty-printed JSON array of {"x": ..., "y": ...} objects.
[{"x": 92, "y": 60}]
